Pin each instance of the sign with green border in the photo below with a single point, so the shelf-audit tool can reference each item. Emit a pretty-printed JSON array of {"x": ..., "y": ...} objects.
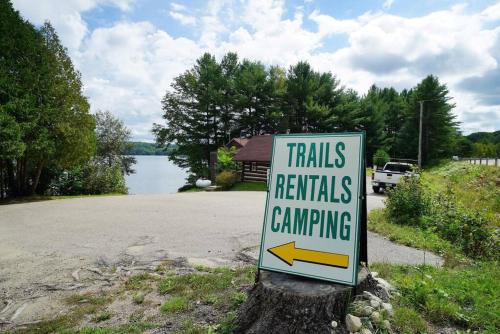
[{"x": 313, "y": 209}]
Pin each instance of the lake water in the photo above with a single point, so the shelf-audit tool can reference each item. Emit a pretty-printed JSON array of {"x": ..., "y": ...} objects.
[{"x": 155, "y": 174}]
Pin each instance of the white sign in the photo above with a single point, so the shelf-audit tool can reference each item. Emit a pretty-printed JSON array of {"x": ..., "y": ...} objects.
[{"x": 313, "y": 209}]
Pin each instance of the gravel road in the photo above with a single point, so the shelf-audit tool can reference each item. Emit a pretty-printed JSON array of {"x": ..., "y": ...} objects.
[{"x": 43, "y": 243}]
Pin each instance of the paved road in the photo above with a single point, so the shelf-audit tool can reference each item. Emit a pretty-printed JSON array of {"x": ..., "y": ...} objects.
[
  {"x": 42, "y": 244},
  {"x": 200, "y": 226}
]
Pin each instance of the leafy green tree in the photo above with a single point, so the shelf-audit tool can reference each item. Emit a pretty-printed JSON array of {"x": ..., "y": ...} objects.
[
  {"x": 380, "y": 158},
  {"x": 484, "y": 150},
  {"x": 310, "y": 98},
  {"x": 370, "y": 118},
  {"x": 253, "y": 100},
  {"x": 192, "y": 115},
  {"x": 113, "y": 140},
  {"x": 41, "y": 92},
  {"x": 225, "y": 161},
  {"x": 439, "y": 127}
]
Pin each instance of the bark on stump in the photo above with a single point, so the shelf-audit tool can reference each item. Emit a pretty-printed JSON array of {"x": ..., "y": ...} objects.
[{"x": 282, "y": 303}]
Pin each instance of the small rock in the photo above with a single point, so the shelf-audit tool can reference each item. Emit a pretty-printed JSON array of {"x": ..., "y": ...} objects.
[
  {"x": 384, "y": 283},
  {"x": 384, "y": 293},
  {"x": 374, "y": 303},
  {"x": 375, "y": 316},
  {"x": 366, "y": 311},
  {"x": 352, "y": 323},
  {"x": 388, "y": 308},
  {"x": 368, "y": 295},
  {"x": 365, "y": 331},
  {"x": 386, "y": 324},
  {"x": 334, "y": 324}
]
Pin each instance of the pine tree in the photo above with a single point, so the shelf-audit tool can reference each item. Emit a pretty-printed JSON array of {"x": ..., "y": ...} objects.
[{"x": 439, "y": 127}]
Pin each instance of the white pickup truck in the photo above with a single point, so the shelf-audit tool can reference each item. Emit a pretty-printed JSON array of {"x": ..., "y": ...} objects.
[{"x": 390, "y": 175}]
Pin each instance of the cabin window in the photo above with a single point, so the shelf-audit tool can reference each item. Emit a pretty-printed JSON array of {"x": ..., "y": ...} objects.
[{"x": 254, "y": 167}]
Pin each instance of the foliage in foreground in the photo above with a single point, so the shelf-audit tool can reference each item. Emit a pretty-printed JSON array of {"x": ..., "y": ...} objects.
[
  {"x": 443, "y": 208},
  {"x": 46, "y": 121},
  {"x": 226, "y": 179},
  {"x": 249, "y": 186},
  {"x": 464, "y": 297}
]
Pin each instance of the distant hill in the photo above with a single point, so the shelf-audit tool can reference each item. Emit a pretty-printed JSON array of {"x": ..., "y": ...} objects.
[
  {"x": 142, "y": 148},
  {"x": 485, "y": 137}
]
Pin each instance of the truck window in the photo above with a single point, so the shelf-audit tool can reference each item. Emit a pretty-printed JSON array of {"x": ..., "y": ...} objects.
[{"x": 397, "y": 168}]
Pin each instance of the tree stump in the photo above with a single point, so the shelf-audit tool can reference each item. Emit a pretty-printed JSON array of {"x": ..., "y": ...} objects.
[{"x": 283, "y": 303}]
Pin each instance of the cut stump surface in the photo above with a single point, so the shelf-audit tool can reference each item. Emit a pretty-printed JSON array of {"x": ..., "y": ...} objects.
[{"x": 282, "y": 303}]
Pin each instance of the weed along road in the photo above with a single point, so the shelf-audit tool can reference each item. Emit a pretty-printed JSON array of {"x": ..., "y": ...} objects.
[{"x": 47, "y": 243}]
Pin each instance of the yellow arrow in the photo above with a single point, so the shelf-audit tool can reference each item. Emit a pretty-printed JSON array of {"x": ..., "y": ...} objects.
[{"x": 288, "y": 253}]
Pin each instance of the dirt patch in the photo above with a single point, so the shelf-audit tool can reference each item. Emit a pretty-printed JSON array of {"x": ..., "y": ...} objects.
[{"x": 161, "y": 297}]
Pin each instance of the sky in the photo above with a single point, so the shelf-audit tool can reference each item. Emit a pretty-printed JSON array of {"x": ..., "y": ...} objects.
[{"x": 128, "y": 51}]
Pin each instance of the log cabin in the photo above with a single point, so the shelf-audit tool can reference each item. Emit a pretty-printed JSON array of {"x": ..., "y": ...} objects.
[{"x": 255, "y": 158}]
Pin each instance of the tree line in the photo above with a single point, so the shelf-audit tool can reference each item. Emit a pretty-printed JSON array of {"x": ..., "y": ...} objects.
[
  {"x": 49, "y": 141},
  {"x": 480, "y": 145},
  {"x": 215, "y": 101}
]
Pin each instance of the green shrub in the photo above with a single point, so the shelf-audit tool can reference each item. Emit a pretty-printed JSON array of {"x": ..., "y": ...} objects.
[
  {"x": 469, "y": 229},
  {"x": 380, "y": 158},
  {"x": 174, "y": 304},
  {"x": 225, "y": 161},
  {"x": 406, "y": 203},
  {"x": 407, "y": 320},
  {"x": 226, "y": 179},
  {"x": 93, "y": 178}
]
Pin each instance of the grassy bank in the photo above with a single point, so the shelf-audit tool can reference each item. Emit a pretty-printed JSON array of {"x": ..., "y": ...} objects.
[
  {"x": 466, "y": 297},
  {"x": 453, "y": 211},
  {"x": 175, "y": 298},
  {"x": 249, "y": 186}
]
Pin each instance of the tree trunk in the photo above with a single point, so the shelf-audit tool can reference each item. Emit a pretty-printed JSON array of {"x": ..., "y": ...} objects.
[
  {"x": 282, "y": 303},
  {"x": 2, "y": 191},
  {"x": 37, "y": 177}
]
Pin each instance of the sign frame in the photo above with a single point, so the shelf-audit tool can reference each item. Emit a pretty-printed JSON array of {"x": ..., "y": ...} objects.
[{"x": 360, "y": 212}]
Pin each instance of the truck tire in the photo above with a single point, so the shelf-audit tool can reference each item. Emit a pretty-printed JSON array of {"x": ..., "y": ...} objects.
[{"x": 376, "y": 190}]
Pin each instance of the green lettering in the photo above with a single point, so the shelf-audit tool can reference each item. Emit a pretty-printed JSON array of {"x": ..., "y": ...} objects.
[
  {"x": 323, "y": 189},
  {"x": 301, "y": 155},
  {"x": 338, "y": 148},
  {"x": 302, "y": 187},
  {"x": 311, "y": 159},
  {"x": 300, "y": 221},
  {"x": 328, "y": 164},
  {"x": 275, "y": 226},
  {"x": 286, "y": 221},
  {"x": 290, "y": 153},
  {"x": 332, "y": 191},
  {"x": 345, "y": 230},
  {"x": 322, "y": 223},
  {"x": 280, "y": 182},
  {"x": 331, "y": 224},
  {"x": 321, "y": 154},
  {"x": 289, "y": 185},
  {"x": 346, "y": 182},
  {"x": 314, "y": 220},
  {"x": 313, "y": 178}
]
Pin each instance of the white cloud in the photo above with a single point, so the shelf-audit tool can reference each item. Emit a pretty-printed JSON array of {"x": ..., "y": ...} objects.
[
  {"x": 177, "y": 7},
  {"x": 65, "y": 15},
  {"x": 184, "y": 19},
  {"x": 127, "y": 66}
]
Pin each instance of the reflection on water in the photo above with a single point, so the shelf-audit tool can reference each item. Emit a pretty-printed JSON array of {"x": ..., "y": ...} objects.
[{"x": 155, "y": 175}]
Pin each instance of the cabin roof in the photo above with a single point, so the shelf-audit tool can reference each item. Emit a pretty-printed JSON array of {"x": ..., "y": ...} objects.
[
  {"x": 258, "y": 148},
  {"x": 237, "y": 142}
]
